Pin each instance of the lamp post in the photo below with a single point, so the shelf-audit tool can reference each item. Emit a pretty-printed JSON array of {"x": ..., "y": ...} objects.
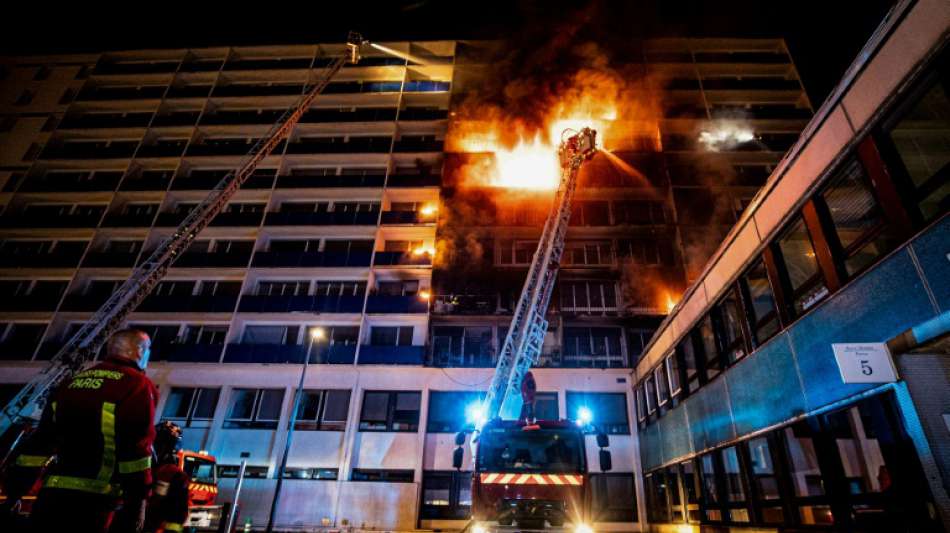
[{"x": 316, "y": 334}]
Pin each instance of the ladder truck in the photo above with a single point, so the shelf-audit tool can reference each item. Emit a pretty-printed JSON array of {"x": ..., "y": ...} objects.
[
  {"x": 24, "y": 409},
  {"x": 529, "y": 474}
]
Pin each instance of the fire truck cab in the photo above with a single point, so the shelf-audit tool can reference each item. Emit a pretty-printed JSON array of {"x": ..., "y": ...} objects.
[{"x": 531, "y": 476}]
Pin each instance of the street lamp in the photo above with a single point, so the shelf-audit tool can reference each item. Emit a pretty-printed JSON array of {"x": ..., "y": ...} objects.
[{"x": 316, "y": 334}]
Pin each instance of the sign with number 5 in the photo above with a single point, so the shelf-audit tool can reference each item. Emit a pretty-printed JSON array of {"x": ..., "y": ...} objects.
[{"x": 865, "y": 363}]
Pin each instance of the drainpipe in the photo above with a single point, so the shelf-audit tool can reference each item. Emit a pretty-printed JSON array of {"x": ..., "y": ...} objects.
[{"x": 920, "y": 334}]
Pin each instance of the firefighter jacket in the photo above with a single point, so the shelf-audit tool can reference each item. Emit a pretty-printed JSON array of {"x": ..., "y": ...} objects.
[
  {"x": 168, "y": 503},
  {"x": 98, "y": 425}
]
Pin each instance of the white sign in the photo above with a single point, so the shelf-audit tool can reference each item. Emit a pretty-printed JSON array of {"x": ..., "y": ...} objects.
[{"x": 865, "y": 363}]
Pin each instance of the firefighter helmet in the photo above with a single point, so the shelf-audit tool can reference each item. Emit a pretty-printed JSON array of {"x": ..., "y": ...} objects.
[{"x": 167, "y": 439}]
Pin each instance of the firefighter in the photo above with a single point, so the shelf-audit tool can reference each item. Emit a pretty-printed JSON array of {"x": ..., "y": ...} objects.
[
  {"x": 528, "y": 390},
  {"x": 168, "y": 505},
  {"x": 97, "y": 430}
]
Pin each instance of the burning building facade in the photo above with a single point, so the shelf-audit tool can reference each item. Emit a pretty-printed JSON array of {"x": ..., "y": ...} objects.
[{"x": 399, "y": 217}]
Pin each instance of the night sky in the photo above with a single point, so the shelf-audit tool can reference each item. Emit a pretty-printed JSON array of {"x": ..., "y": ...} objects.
[{"x": 824, "y": 36}]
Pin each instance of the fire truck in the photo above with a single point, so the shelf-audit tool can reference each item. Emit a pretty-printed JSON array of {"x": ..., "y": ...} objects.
[{"x": 202, "y": 490}]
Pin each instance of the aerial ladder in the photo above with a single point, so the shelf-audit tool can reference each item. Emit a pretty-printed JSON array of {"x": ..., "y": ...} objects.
[
  {"x": 522, "y": 346},
  {"x": 25, "y": 408}
]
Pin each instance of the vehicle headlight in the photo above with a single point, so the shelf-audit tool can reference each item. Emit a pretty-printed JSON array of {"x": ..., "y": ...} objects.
[
  {"x": 583, "y": 528},
  {"x": 478, "y": 528}
]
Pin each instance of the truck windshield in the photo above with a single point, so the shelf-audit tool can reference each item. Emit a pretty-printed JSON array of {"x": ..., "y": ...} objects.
[
  {"x": 507, "y": 450},
  {"x": 200, "y": 470}
]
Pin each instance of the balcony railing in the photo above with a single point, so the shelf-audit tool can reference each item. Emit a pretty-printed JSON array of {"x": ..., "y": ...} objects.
[
  {"x": 415, "y": 113},
  {"x": 396, "y": 304},
  {"x": 268, "y": 64},
  {"x": 161, "y": 149},
  {"x": 146, "y": 182},
  {"x": 241, "y": 117},
  {"x": 135, "y": 68},
  {"x": 213, "y": 259},
  {"x": 338, "y": 354},
  {"x": 116, "y": 150},
  {"x": 47, "y": 221},
  {"x": 402, "y": 259},
  {"x": 119, "y": 220},
  {"x": 310, "y": 259},
  {"x": 418, "y": 146},
  {"x": 240, "y": 89},
  {"x": 31, "y": 302},
  {"x": 96, "y": 120},
  {"x": 457, "y": 359},
  {"x": 355, "y": 145},
  {"x": 364, "y": 114},
  {"x": 405, "y": 217},
  {"x": 323, "y": 182},
  {"x": 307, "y": 303},
  {"x": 51, "y": 260},
  {"x": 188, "y": 303},
  {"x": 187, "y": 353},
  {"x": 391, "y": 355},
  {"x": 181, "y": 118},
  {"x": 465, "y": 304},
  {"x": 366, "y": 218},
  {"x": 414, "y": 180},
  {"x": 17, "y": 351},
  {"x": 84, "y": 302},
  {"x": 121, "y": 93},
  {"x": 73, "y": 182},
  {"x": 109, "y": 260},
  {"x": 222, "y": 219}
]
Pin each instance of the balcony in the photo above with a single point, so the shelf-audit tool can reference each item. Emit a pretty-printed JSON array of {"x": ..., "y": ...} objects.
[
  {"x": 323, "y": 182},
  {"x": 90, "y": 150},
  {"x": 226, "y": 147},
  {"x": 423, "y": 113},
  {"x": 147, "y": 181},
  {"x": 241, "y": 117},
  {"x": 364, "y": 114},
  {"x": 352, "y": 87},
  {"x": 149, "y": 67},
  {"x": 402, "y": 259},
  {"x": 336, "y": 145},
  {"x": 268, "y": 64},
  {"x": 310, "y": 259},
  {"x": 50, "y": 260},
  {"x": 189, "y": 91},
  {"x": 105, "y": 120},
  {"x": 187, "y": 353},
  {"x": 162, "y": 149},
  {"x": 109, "y": 260},
  {"x": 222, "y": 219},
  {"x": 84, "y": 302},
  {"x": 366, "y": 218},
  {"x": 472, "y": 359},
  {"x": 128, "y": 220},
  {"x": 31, "y": 302},
  {"x": 121, "y": 93},
  {"x": 188, "y": 304},
  {"x": 425, "y": 86},
  {"x": 307, "y": 304},
  {"x": 17, "y": 351},
  {"x": 240, "y": 89},
  {"x": 396, "y": 304},
  {"x": 418, "y": 145},
  {"x": 213, "y": 259},
  {"x": 391, "y": 355},
  {"x": 414, "y": 180},
  {"x": 406, "y": 217},
  {"x": 202, "y": 65},
  {"x": 181, "y": 118},
  {"x": 73, "y": 182},
  {"x": 465, "y": 304},
  {"x": 84, "y": 220},
  {"x": 336, "y": 354}
]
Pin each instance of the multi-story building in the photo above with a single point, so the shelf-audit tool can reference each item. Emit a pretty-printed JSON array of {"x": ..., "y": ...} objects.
[{"x": 101, "y": 155}]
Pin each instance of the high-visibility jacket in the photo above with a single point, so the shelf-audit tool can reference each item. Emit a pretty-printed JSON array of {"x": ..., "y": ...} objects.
[
  {"x": 168, "y": 504},
  {"x": 98, "y": 425}
]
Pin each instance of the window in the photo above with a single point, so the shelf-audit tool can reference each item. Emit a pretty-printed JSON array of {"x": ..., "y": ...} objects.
[
  {"x": 609, "y": 410},
  {"x": 283, "y": 288},
  {"x": 710, "y": 489},
  {"x": 448, "y": 411},
  {"x": 614, "y": 498},
  {"x": 254, "y": 409},
  {"x": 579, "y": 253},
  {"x": 727, "y": 317},
  {"x": 339, "y": 288},
  {"x": 673, "y": 488},
  {"x": 545, "y": 406},
  {"x": 598, "y": 347},
  {"x": 638, "y": 212},
  {"x": 590, "y": 213},
  {"x": 808, "y": 481},
  {"x": 321, "y": 474},
  {"x": 591, "y": 297},
  {"x": 203, "y": 334},
  {"x": 673, "y": 374},
  {"x": 657, "y": 493},
  {"x": 446, "y": 495},
  {"x": 734, "y": 485},
  {"x": 189, "y": 405},
  {"x": 390, "y": 336},
  {"x": 25, "y": 98},
  {"x": 254, "y": 334},
  {"x": 231, "y": 471},
  {"x": 691, "y": 490},
  {"x": 175, "y": 288},
  {"x": 860, "y": 229},
  {"x": 390, "y": 411},
  {"x": 686, "y": 350},
  {"x": 763, "y": 313},
  {"x": 662, "y": 385},
  {"x": 765, "y": 483},
  {"x": 712, "y": 361},
  {"x": 386, "y": 476},
  {"x": 921, "y": 146},
  {"x": 323, "y": 410},
  {"x": 42, "y": 73},
  {"x": 801, "y": 267}
]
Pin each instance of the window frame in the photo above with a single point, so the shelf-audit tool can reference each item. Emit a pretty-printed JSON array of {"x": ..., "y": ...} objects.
[
  {"x": 254, "y": 422},
  {"x": 393, "y": 396}
]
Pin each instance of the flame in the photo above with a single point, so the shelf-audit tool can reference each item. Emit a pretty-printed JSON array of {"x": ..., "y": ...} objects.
[
  {"x": 670, "y": 303},
  {"x": 428, "y": 210},
  {"x": 424, "y": 250},
  {"x": 425, "y": 295}
]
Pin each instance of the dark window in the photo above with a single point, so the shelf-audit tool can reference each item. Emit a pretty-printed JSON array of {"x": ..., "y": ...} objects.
[
  {"x": 450, "y": 412},
  {"x": 390, "y": 336},
  {"x": 323, "y": 410},
  {"x": 710, "y": 488},
  {"x": 254, "y": 409},
  {"x": 609, "y": 410},
  {"x": 657, "y": 493},
  {"x": 231, "y": 471},
  {"x": 859, "y": 224},
  {"x": 320, "y": 474},
  {"x": 765, "y": 481},
  {"x": 545, "y": 406},
  {"x": 387, "y": 476},
  {"x": 686, "y": 350},
  {"x": 734, "y": 485},
  {"x": 921, "y": 143},
  {"x": 25, "y": 98},
  {"x": 614, "y": 498},
  {"x": 712, "y": 360},
  {"x": 763, "y": 314},
  {"x": 592, "y": 347},
  {"x": 801, "y": 267},
  {"x": 729, "y": 327},
  {"x": 390, "y": 411},
  {"x": 691, "y": 490},
  {"x": 808, "y": 480},
  {"x": 190, "y": 405},
  {"x": 446, "y": 495}
]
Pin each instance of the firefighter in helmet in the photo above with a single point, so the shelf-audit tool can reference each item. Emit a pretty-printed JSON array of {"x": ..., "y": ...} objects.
[
  {"x": 95, "y": 442},
  {"x": 168, "y": 505}
]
